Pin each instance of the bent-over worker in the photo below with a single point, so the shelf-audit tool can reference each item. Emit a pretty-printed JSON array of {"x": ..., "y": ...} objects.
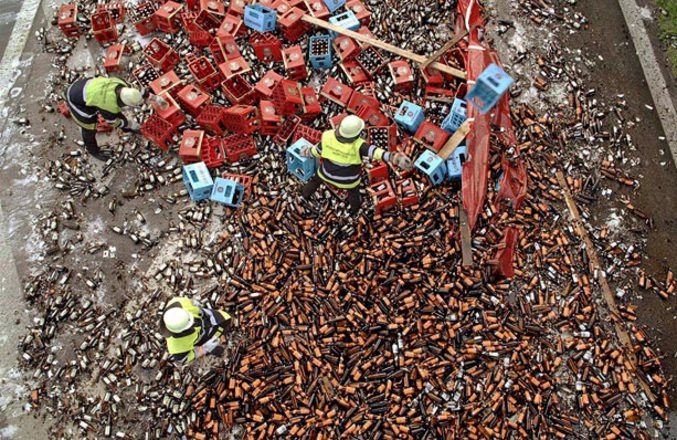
[
  {"x": 89, "y": 97},
  {"x": 192, "y": 331},
  {"x": 342, "y": 151}
]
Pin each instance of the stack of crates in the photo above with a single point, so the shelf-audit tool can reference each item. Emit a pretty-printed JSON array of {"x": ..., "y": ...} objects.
[
  {"x": 198, "y": 181},
  {"x": 319, "y": 51},
  {"x": 456, "y": 117}
]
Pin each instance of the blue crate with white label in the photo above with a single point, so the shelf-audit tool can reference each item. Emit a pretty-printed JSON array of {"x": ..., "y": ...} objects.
[
  {"x": 319, "y": 51},
  {"x": 227, "y": 192},
  {"x": 455, "y": 163},
  {"x": 456, "y": 117},
  {"x": 410, "y": 116},
  {"x": 260, "y": 18},
  {"x": 302, "y": 167},
  {"x": 333, "y": 5},
  {"x": 489, "y": 87},
  {"x": 432, "y": 166},
  {"x": 347, "y": 20},
  {"x": 198, "y": 181}
]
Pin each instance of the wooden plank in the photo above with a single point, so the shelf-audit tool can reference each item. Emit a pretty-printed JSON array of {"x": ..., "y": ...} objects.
[
  {"x": 455, "y": 140},
  {"x": 608, "y": 295},
  {"x": 382, "y": 45},
  {"x": 466, "y": 239},
  {"x": 448, "y": 45}
]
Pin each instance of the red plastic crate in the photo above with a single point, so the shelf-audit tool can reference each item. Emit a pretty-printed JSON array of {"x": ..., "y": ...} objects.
[
  {"x": 287, "y": 98},
  {"x": 238, "y": 90},
  {"x": 232, "y": 67},
  {"x": 311, "y": 104},
  {"x": 372, "y": 116},
  {"x": 210, "y": 14},
  {"x": 317, "y": 9},
  {"x": 112, "y": 61},
  {"x": 213, "y": 154},
  {"x": 198, "y": 36},
  {"x": 231, "y": 25},
  {"x": 360, "y": 10},
  {"x": 167, "y": 16},
  {"x": 167, "y": 83},
  {"x": 378, "y": 173},
  {"x": 355, "y": 73},
  {"x": 370, "y": 60},
  {"x": 206, "y": 76},
  {"x": 145, "y": 74},
  {"x": 269, "y": 120},
  {"x": 382, "y": 137},
  {"x": 432, "y": 77},
  {"x": 358, "y": 99},
  {"x": 241, "y": 119},
  {"x": 245, "y": 181},
  {"x": 267, "y": 84},
  {"x": 211, "y": 119},
  {"x": 336, "y": 120},
  {"x": 294, "y": 63},
  {"x": 67, "y": 20},
  {"x": 104, "y": 27},
  {"x": 346, "y": 48},
  {"x": 286, "y": 130},
  {"x": 383, "y": 196},
  {"x": 407, "y": 192},
  {"x": 116, "y": 8},
  {"x": 239, "y": 147},
  {"x": 308, "y": 133},
  {"x": 224, "y": 48},
  {"x": 291, "y": 24},
  {"x": 191, "y": 145},
  {"x": 442, "y": 94},
  {"x": 161, "y": 55},
  {"x": 173, "y": 113},
  {"x": 336, "y": 92},
  {"x": 402, "y": 75},
  {"x": 431, "y": 136},
  {"x": 267, "y": 47},
  {"x": 142, "y": 17},
  {"x": 281, "y": 6},
  {"x": 158, "y": 131},
  {"x": 236, "y": 7},
  {"x": 193, "y": 100}
]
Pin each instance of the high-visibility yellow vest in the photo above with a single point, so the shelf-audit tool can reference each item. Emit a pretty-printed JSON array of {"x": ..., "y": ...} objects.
[
  {"x": 185, "y": 343},
  {"x": 100, "y": 93},
  {"x": 338, "y": 152}
]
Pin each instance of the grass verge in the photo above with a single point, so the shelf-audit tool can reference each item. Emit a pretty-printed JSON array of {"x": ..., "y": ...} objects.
[{"x": 667, "y": 23}]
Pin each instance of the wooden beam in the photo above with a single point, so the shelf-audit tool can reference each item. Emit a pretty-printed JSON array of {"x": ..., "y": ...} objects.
[
  {"x": 382, "y": 45},
  {"x": 466, "y": 238},
  {"x": 601, "y": 278},
  {"x": 455, "y": 140},
  {"x": 448, "y": 45}
]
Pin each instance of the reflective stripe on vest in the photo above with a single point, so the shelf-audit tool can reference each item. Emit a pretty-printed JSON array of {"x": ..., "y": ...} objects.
[
  {"x": 185, "y": 343},
  {"x": 332, "y": 149},
  {"x": 100, "y": 93}
]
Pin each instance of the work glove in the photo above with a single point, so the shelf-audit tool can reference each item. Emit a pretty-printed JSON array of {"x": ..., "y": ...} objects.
[
  {"x": 401, "y": 161},
  {"x": 210, "y": 345},
  {"x": 306, "y": 152}
]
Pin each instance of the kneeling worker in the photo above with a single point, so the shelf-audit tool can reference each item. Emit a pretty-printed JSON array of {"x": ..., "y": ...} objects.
[
  {"x": 192, "y": 331},
  {"x": 342, "y": 151},
  {"x": 89, "y": 97}
]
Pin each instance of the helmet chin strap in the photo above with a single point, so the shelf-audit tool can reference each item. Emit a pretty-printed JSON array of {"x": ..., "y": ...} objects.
[{"x": 344, "y": 139}]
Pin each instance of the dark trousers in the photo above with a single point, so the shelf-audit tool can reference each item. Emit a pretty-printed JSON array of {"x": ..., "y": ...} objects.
[
  {"x": 89, "y": 138},
  {"x": 354, "y": 198}
]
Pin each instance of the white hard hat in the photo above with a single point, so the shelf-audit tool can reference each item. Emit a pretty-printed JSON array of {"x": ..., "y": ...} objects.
[
  {"x": 177, "y": 320},
  {"x": 351, "y": 126},
  {"x": 131, "y": 96}
]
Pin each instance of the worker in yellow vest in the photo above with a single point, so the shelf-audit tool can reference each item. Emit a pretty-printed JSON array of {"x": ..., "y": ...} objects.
[
  {"x": 192, "y": 331},
  {"x": 342, "y": 151},
  {"x": 88, "y": 98}
]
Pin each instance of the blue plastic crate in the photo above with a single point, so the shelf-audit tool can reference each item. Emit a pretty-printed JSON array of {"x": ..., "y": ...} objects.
[
  {"x": 490, "y": 86},
  {"x": 302, "y": 167},
  {"x": 456, "y": 117},
  {"x": 227, "y": 192},
  {"x": 410, "y": 116},
  {"x": 260, "y": 18},
  {"x": 333, "y": 5},
  {"x": 432, "y": 166},
  {"x": 347, "y": 20},
  {"x": 198, "y": 181},
  {"x": 455, "y": 163},
  {"x": 319, "y": 51}
]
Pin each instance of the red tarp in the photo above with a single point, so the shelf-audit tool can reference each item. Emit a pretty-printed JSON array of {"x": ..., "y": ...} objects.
[{"x": 505, "y": 252}]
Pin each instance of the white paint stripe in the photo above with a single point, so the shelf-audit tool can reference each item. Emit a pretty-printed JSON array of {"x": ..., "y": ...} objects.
[
  {"x": 652, "y": 72},
  {"x": 15, "y": 46}
]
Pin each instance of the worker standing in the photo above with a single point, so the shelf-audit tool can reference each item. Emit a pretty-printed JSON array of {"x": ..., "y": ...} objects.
[
  {"x": 342, "y": 151},
  {"x": 88, "y": 98},
  {"x": 192, "y": 331}
]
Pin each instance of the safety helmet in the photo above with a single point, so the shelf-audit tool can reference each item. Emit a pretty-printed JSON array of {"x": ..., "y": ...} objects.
[
  {"x": 350, "y": 127},
  {"x": 131, "y": 96},
  {"x": 177, "y": 320}
]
